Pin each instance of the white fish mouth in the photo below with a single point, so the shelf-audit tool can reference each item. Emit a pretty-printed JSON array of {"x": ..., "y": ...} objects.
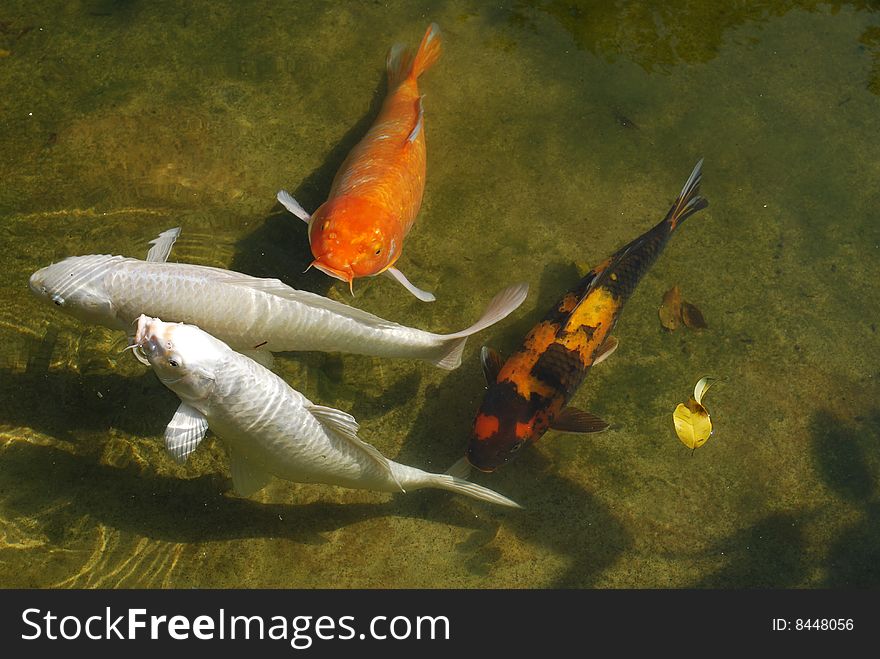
[{"x": 148, "y": 338}]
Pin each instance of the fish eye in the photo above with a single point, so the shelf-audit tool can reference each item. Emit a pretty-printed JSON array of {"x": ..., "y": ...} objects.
[
  {"x": 378, "y": 251},
  {"x": 516, "y": 447},
  {"x": 173, "y": 363},
  {"x": 44, "y": 290}
]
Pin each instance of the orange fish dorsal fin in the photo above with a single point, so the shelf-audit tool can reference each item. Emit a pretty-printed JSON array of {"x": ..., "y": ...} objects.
[{"x": 401, "y": 64}]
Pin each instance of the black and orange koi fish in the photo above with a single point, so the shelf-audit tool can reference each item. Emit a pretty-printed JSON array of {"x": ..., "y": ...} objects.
[{"x": 527, "y": 394}]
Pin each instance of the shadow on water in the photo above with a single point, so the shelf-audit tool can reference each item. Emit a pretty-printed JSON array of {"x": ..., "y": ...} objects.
[
  {"x": 61, "y": 403},
  {"x": 774, "y": 552},
  {"x": 841, "y": 447},
  {"x": 280, "y": 246},
  {"x": 184, "y": 510},
  {"x": 559, "y": 515},
  {"x": 770, "y": 554}
]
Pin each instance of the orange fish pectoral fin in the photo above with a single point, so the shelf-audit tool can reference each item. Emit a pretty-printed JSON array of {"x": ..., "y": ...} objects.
[{"x": 571, "y": 419}]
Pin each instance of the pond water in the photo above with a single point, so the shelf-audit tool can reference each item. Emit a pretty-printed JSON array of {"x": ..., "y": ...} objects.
[{"x": 557, "y": 131}]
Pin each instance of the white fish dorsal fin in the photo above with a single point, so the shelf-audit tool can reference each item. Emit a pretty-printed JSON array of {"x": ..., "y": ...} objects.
[
  {"x": 161, "y": 246},
  {"x": 400, "y": 278},
  {"x": 345, "y": 426},
  {"x": 247, "y": 477},
  {"x": 282, "y": 290},
  {"x": 291, "y": 204},
  {"x": 185, "y": 431},
  {"x": 420, "y": 123}
]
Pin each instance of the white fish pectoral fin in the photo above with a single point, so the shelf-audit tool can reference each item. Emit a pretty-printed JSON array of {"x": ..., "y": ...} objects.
[
  {"x": 247, "y": 478},
  {"x": 161, "y": 246},
  {"x": 291, "y": 204},
  {"x": 344, "y": 425},
  {"x": 185, "y": 431},
  {"x": 399, "y": 277}
]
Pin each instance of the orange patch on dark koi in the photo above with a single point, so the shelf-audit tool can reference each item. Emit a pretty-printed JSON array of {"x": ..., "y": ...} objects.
[{"x": 485, "y": 426}]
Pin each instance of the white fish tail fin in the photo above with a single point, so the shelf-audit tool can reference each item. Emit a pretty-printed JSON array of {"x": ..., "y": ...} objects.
[
  {"x": 501, "y": 306},
  {"x": 453, "y": 484},
  {"x": 401, "y": 64}
]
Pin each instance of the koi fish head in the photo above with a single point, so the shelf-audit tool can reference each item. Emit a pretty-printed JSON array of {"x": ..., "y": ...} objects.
[
  {"x": 352, "y": 238},
  {"x": 496, "y": 441},
  {"x": 76, "y": 286},
  {"x": 184, "y": 357}
]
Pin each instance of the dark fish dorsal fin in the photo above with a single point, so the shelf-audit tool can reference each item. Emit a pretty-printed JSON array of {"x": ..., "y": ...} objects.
[
  {"x": 491, "y": 362},
  {"x": 606, "y": 350},
  {"x": 571, "y": 419}
]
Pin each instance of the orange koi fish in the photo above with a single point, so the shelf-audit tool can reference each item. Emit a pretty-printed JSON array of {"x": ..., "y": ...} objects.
[
  {"x": 376, "y": 194},
  {"x": 527, "y": 395}
]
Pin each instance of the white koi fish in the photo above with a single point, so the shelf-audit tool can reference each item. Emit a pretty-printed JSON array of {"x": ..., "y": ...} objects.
[
  {"x": 269, "y": 428},
  {"x": 255, "y": 316}
]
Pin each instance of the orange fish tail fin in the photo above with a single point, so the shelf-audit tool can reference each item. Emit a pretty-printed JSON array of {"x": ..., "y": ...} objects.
[
  {"x": 689, "y": 201},
  {"x": 402, "y": 65}
]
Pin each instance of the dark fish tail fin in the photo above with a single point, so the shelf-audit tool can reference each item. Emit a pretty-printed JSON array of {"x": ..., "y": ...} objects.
[
  {"x": 401, "y": 64},
  {"x": 689, "y": 201}
]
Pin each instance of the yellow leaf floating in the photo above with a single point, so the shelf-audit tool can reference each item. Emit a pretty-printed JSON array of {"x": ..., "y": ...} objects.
[{"x": 692, "y": 423}]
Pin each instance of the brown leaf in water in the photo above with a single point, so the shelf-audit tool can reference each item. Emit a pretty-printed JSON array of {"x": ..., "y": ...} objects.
[
  {"x": 670, "y": 309},
  {"x": 692, "y": 316}
]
